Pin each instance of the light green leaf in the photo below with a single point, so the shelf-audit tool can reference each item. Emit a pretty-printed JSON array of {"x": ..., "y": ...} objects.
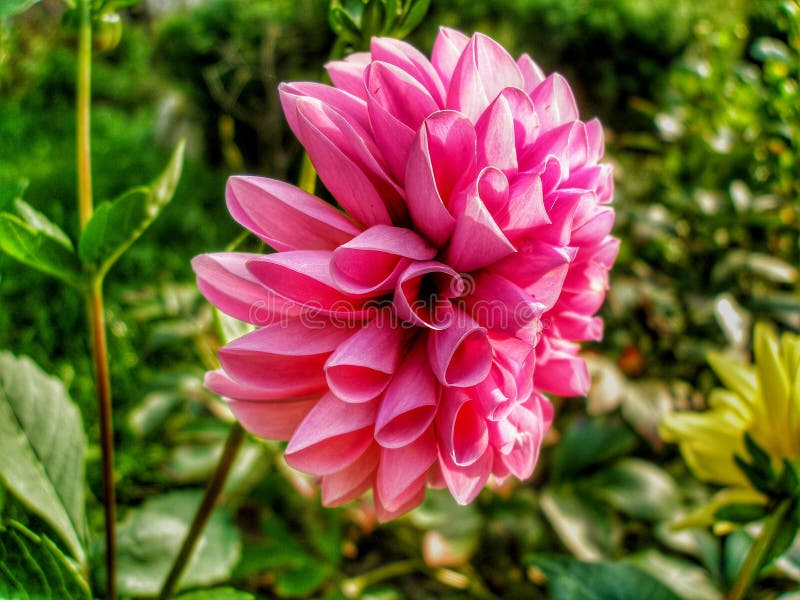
[
  {"x": 414, "y": 16},
  {"x": 686, "y": 579},
  {"x": 9, "y": 8},
  {"x": 115, "y": 225},
  {"x": 150, "y": 538},
  {"x": 222, "y": 593},
  {"x": 39, "y": 247},
  {"x": 32, "y": 567},
  {"x": 42, "y": 448},
  {"x": 570, "y": 579},
  {"x": 41, "y": 223}
]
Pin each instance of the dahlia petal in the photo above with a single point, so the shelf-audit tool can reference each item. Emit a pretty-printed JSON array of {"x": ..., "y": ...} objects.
[
  {"x": 348, "y": 74},
  {"x": 502, "y": 437},
  {"x": 284, "y": 359},
  {"x": 399, "y": 93},
  {"x": 477, "y": 240},
  {"x": 554, "y": 102},
  {"x": 413, "y": 284},
  {"x": 395, "y": 140},
  {"x": 538, "y": 268},
  {"x": 494, "y": 190},
  {"x": 351, "y": 482},
  {"x": 460, "y": 355},
  {"x": 568, "y": 142},
  {"x": 532, "y": 74},
  {"x": 304, "y": 277},
  {"x": 372, "y": 261},
  {"x": 465, "y": 483},
  {"x": 271, "y": 420},
  {"x": 496, "y": 137},
  {"x": 521, "y": 459},
  {"x": 447, "y": 49},
  {"x": 525, "y": 206},
  {"x": 497, "y": 394},
  {"x": 482, "y": 71},
  {"x": 561, "y": 210},
  {"x": 224, "y": 280},
  {"x": 558, "y": 370},
  {"x": 410, "y": 402},
  {"x": 499, "y": 304},
  {"x": 594, "y": 230},
  {"x": 220, "y": 383},
  {"x": 362, "y": 366},
  {"x": 442, "y": 153},
  {"x": 412, "y": 61},
  {"x": 352, "y": 107},
  {"x": 286, "y": 217},
  {"x": 410, "y": 499},
  {"x": 461, "y": 427},
  {"x": 401, "y": 469},
  {"x": 332, "y": 436},
  {"x": 334, "y": 147},
  {"x": 595, "y": 137},
  {"x": 578, "y": 327}
]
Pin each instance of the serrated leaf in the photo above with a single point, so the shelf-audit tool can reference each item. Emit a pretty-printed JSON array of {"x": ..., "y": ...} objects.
[
  {"x": 117, "y": 224},
  {"x": 33, "y": 567},
  {"x": 42, "y": 448},
  {"x": 37, "y": 248},
  {"x": 150, "y": 538},
  {"x": 9, "y": 8},
  {"x": 570, "y": 579},
  {"x": 222, "y": 593}
]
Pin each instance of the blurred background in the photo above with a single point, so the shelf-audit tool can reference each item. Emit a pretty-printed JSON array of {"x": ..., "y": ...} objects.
[{"x": 701, "y": 104}]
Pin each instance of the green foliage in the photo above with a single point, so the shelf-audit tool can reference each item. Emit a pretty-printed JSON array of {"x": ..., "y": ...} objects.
[
  {"x": 42, "y": 448},
  {"x": 33, "y": 568},
  {"x": 357, "y": 21},
  {"x": 222, "y": 593},
  {"x": 9, "y": 8}
]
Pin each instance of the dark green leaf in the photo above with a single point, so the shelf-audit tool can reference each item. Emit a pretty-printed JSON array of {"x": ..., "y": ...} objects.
[
  {"x": 38, "y": 248},
  {"x": 741, "y": 513},
  {"x": 42, "y": 448},
  {"x": 222, "y": 593},
  {"x": 761, "y": 459},
  {"x": 151, "y": 536},
  {"x": 115, "y": 225},
  {"x": 570, "y": 579},
  {"x": 32, "y": 567},
  {"x": 11, "y": 191},
  {"x": 343, "y": 25},
  {"x": 588, "y": 442},
  {"x": 737, "y": 545},
  {"x": 301, "y": 581},
  {"x": 9, "y": 8},
  {"x": 686, "y": 579},
  {"x": 412, "y": 18}
]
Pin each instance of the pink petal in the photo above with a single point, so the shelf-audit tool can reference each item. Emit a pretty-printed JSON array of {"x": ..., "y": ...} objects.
[
  {"x": 286, "y": 217},
  {"x": 348, "y": 74},
  {"x": 442, "y": 154},
  {"x": 461, "y": 427},
  {"x": 220, "y": 383},
  {"x": 372, "y": 261},
  {"x": 401, "y": 469},
  {"x": 285, "y": 360},
  {"x": 477, "y": 240},
  {"x": 304, "y": 276},
  {"x": 447, "y": 49},
  {"x": 578, "y": 327},
  {"x": 423, "y": 294},
  {"x": 361, "y": 367},
  {"x": 532, "y": 74},
  {"x": 412, "y": 61},
  {"x": 271, "y": 420},
  {"x": 483, "y": 70},
  {"x": 411, "y": 499},
  {"x": 521, "y": 459},
  {"x": 332, "y": 436},
  {"x": 569, "y": 143},
  {"x": 348, "y": 484},
  {"x": 409, "y": 405},
  {"x": 224, "y": 280},
  {"x": 525, "y": 206},
  {"x": 538, "y": 268},
  {"x": 496, "y": 138},
  {"x": 554, "y": 102},
  {"x": 558, "y": 370},
  {"x": 353, "y": 108},
  {"x": 465, "y": 483},
  {"x": 460, "y": 355},
  {"x": 561, "y": 210},
  {"x": 497, "y": 394},
  {"x": 594, "y": 133},
  {"x": 594, "y": 230}
]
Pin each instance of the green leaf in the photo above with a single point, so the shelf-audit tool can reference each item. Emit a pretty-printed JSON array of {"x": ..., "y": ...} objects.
[
  {"x": 115, "y": 225},
  {"x": 638, "y": 488},
  {"x": 741, "y": 513},
  {"x": 32, "y": 567},
  {"x": 11, "y": 191},
  {"x": 570, "y": 579},
  {"x": 588, "y": 442},
  {"x": 686, "y": 579},
  {"x": 41, "y": 223},
  {"x": 38, "y": 247},
  {"x": 9, "y": 8},
  {"x": 412, "y": 18},
  {"x": 301, "y": 581},
  {"x": 151, "y": 536},
  {"x": 42, "y": 448},
  {"x": 222, "y": 593}
]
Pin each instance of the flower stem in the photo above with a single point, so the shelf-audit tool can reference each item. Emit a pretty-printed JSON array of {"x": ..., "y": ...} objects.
[
  {"x": 758, "y": 551},
  {"x": 355, "y": 586},
  {"x": 233, "y": 443},
  {"x": 94, "y": 295}
]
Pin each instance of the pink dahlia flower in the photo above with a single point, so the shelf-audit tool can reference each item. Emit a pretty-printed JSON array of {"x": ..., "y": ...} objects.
[{"x": 407, "y": 339}]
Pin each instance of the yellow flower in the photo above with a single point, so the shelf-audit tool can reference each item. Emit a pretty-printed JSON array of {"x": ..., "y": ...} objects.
[{"x": 762, "y": 400}]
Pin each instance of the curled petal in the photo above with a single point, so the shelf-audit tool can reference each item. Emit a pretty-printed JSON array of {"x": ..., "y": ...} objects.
[
  {"x": 538, "y": 268},
  {"x": 410, "y": 402},
  {"x": 558, "y": 370},
  {"x": 286, "y": 217},
  {"x": 271, "y": 420},
  {"x": 497, "y": 394},
  {"x": 496, "y": 137},
  {"x": 412, "y": 61},
  {"x": 332, "y": 436},
  {"x": 372, "y": 261},
  {"x": 352, "y": 481},
  {"x": 447, "y": 49},
  {"x": 401, "y": 469},
  {"x": 499, "y": 304},
  {"x": 532, "y": 74},
  {"x": 351, "y": 107},
  {"x": 554, "y": 102},
  {"x": 412, "y": 498},
  {"x": 362, "y": 366},
  {"x": 348, "y": 74},
  {"x": 465, "y": 483},
  {"x": 461, "y": 427},
  {"x": 423, "y": 294},
  {"x": 578, "y": 327},
  {"x": 460, "y": 355},
  {"x": 595, "y": 137}
]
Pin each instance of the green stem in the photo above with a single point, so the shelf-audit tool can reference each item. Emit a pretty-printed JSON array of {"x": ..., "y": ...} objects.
[
  {"x": 94, "y": 295},
  {"x": 758, "y": 551},
  {"x": 233, "y": 443},
  {"x": 308, "y": 175},
  {"x": 354, "y": 587}
]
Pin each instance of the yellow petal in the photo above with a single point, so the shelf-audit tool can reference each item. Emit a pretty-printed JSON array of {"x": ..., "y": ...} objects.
[
  {"x": 790, "y": 353},
  {"x": 774, "y": 389},
  {"x": 703, "y": 516},
  {"x": 726, "y": 400},
  {"x": 735, "y": 375}
]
